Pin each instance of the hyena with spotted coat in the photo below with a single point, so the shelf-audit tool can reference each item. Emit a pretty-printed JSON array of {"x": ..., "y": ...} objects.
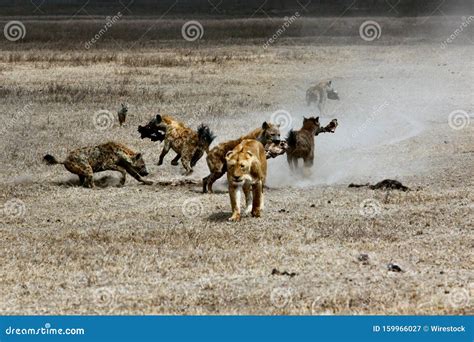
[
  {"x": 319, "y": 94},
  {"x": 110, "y": 156},
  {"x": 216, "y": 161},
  {"x": 188, "y": 144}
]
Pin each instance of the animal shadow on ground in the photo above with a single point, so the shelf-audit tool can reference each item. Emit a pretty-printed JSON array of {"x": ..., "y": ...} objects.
[
  {"x": 104, "y": 181},
  {"x": 220, "y": 216}
]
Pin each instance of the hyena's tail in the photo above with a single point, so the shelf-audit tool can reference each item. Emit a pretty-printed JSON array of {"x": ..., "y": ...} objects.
[
  {"x": 291, "y": 139},
  {"x": 50, "y": 160},
  {"x": 205, "y": 135}
]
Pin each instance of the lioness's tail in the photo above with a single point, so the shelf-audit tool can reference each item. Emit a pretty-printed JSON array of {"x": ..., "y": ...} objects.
[
  {"x": 50, "y": 160},
  {"x": 291, "y": 139},
  {"x": 205, "y": 135}
]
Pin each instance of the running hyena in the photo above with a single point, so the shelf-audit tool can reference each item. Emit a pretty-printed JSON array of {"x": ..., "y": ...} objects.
[
  {"x": 110, "y": 156},
  {"x": 319, "y": 94}
]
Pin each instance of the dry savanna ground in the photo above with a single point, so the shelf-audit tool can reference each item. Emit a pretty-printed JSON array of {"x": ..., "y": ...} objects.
[{"x": 320, "y": 247}]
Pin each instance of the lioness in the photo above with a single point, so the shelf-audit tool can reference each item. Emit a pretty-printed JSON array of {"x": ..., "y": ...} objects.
[
  {"x": 268, "y": 133},
  {"x": 110, "y": 156},
  {"x": 246, "y": 168}
]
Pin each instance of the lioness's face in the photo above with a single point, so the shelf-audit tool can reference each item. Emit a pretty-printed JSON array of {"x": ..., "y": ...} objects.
[
  {"x": 271, "y": 132},
  {"x": 138, "y": 165},
  {"x": 238, "y": 166}
]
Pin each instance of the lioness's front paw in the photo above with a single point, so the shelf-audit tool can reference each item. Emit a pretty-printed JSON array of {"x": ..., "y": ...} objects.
[
  {"x": 234, "y": 218},
  {"x": 256, "y": 213}
]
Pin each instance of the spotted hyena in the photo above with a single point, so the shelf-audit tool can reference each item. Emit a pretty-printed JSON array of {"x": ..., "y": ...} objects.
[
  {"x": 110, "y": 156},
  {"x": 188, "y": 144},
  {"x": 301, "y": 142},
  {"x": 216, "y": 161},
  {"x": 319, "y": 94}
]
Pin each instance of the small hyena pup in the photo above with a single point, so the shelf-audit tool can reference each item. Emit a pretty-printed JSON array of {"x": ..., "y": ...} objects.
[
  {"x": 122, "y": 114},
  {"x": 110, "y": 156},
  {"x": 319, "y": 94},
  {"x": 188, "y": 144},
  {"x": 301, "y": 143}
]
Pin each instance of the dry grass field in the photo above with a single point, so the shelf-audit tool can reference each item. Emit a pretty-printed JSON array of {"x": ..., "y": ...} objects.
[{"x": 159, "y": 249}]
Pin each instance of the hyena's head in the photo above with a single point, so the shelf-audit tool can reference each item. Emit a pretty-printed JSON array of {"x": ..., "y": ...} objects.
[
  {"x": 330, "y": 91},
  {"x": 124, "y": 109},
  {"x": 311, "y": 124},
  {"x": 154, "y": 130},
  {"x": 270, "y": 133},
  {"x": 205, "y": 136},
  {"x": 138, "y": 165}
]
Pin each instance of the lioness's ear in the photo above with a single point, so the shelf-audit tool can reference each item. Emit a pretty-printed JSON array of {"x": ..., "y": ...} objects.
[
  {"x": 250, "y": 154},
  {"x": 265, "y": 125},
  {"x": 227, "y": 156}
]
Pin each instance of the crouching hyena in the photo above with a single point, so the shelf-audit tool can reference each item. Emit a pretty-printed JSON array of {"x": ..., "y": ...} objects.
[
  {"x": 188, "y": 144},
  {"x": 110, "y": 156},
  {"x": 319, "y": 93}
]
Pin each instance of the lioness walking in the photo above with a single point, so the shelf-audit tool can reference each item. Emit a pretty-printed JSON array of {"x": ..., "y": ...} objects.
[
  {"x": 247, "y": 170},
  {"x": 216, "y": 156},
  {"x": 319, "y": 94},
  {"x": 110, "y": 156}
]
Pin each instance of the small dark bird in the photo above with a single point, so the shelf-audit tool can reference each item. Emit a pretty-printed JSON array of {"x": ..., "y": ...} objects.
[{"x": 122, "y": 114}]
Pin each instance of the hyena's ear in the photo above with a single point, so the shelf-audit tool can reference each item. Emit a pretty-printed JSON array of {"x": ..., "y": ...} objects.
[
  {"x": 265, "y": 125},
  {"x": 158, "y": 118},
  {"x": 317, "y": 119},
  {"x": 330, "y": 82},
  {"x": 138, "y": 156}
]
